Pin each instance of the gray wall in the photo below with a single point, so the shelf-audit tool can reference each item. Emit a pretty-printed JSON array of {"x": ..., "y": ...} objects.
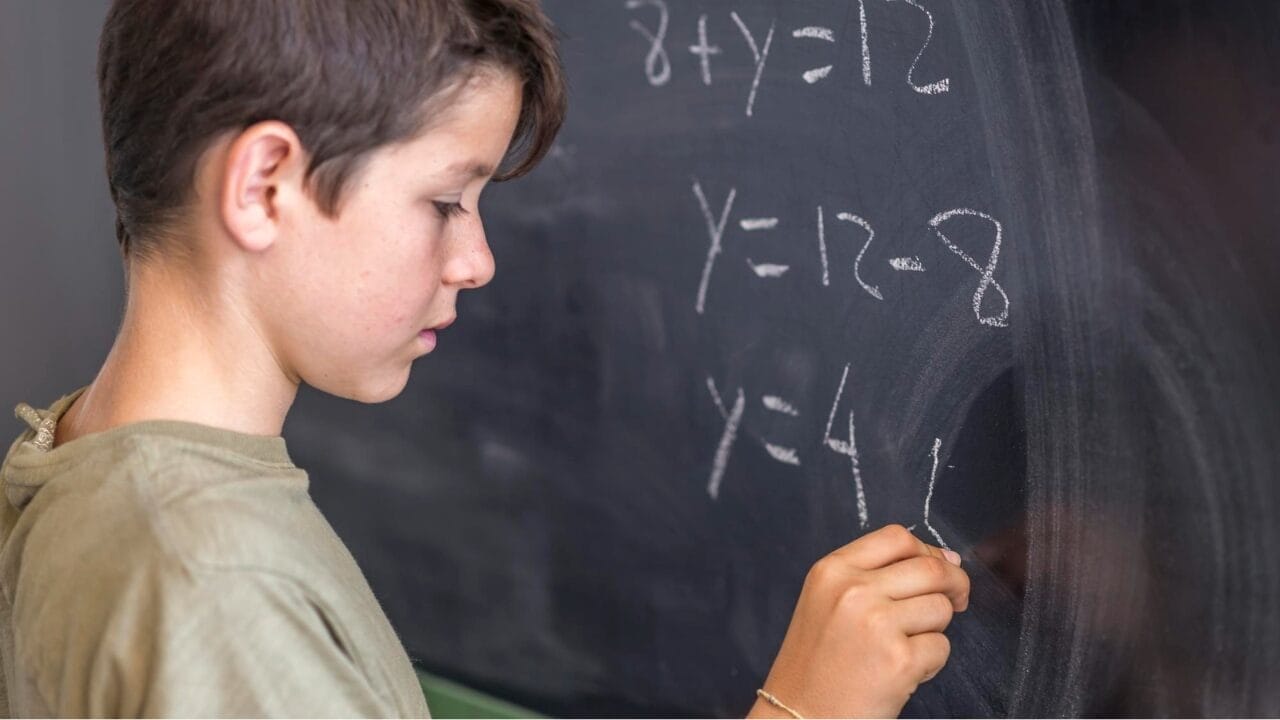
[{"x": 61, "y": 285}]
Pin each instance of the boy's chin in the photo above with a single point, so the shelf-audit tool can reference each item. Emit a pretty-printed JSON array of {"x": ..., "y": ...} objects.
[{"x": 370, "y": 390}]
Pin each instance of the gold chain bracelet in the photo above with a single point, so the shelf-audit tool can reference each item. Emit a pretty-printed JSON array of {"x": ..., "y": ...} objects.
[{"x": 778, "y": 703}]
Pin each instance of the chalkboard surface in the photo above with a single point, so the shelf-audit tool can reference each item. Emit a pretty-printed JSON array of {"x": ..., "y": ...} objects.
[{"x": 1006, "y": 272}]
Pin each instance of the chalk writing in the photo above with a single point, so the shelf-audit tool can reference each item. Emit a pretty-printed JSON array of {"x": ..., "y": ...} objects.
[
  {"x": 777, "y": 404},
  {"x": 954, "y": 232},
  {"x": 988, "y": 272},
  {"x": 657, "y": 66},
  {"x": 760, "y": 57},
  {"x": 704, "y": 51},
  {"x": 938, "y": 86},
  {"x": 716, "y": 231},
  {"x": 822, "y": 250},
  {"x": 906, "y": 264},
  {"x": 767, "y": 270},
  {"x": 782, "y": 454},
  {"x": 786, "y": 455},
  {"x": 928, "y": 498},
  {"x": 857, "y": 262},
  {"x": 866, "y": 45},
  {"x": 731, "y": 420},
  {"x": 847, "y": 447},
  {"x": 819, "y": 33},
  {"x": 772, "y": 270},
  {"x": 750, "y": 224}
]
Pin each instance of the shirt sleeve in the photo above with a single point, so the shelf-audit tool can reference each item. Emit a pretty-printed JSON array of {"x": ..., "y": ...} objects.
[{"x": 233, "y": 643}]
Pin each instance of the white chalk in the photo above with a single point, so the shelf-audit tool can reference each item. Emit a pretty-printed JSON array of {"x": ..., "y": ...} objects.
[
  {"x": 866, "y": 46},
  {"x": 716, "y": 231},
  {"x": 818, "y": 33},
  {"x": 715, "y": 397},
  {"x": 872, "y": 290},
  {"x": 704, "y": 51},
  {"x": 988, "y": 272},
  {"x": 822, "y": 249},
  {"x": 933, "y": 475},
  {"x": 934, "y": 88},
  {"x": 751, "y": 224},
  {"x": 782, "y": 454},
  {"x": 816, "y": 74},
  {"x": 657, "y": 52},
  {"x": 761, "y": 57},
  {"x": 777, "y": 404},
  {"x": 767, "y": 270},
  {"x": 848, "y": 448},
  {"x": 831, "y": 419},
  {"x": 723, "y": 449},
  {"x": 857, "y": 475},
  {"x": 906, "y": 264}
]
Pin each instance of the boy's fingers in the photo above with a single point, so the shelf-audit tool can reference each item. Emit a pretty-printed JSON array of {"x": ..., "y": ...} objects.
[
  {"x": 929, "y": 652},
  {"x": 886, "y": 546},
  {"x": 923, "y": 614},
  {"x": 924, "y": 575}
]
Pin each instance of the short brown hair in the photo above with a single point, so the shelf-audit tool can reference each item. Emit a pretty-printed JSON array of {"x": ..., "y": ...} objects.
[{"x": 348, "y": 76}]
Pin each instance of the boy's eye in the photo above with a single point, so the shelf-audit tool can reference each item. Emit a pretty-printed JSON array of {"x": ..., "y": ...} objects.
[{"x": 448, "y": 209}]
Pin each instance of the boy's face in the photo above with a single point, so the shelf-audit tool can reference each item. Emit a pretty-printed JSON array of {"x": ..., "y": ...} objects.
[{"x": 345, "y": 300}]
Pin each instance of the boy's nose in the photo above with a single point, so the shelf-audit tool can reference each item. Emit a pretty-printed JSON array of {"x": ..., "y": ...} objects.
[{"x": 471, "y": 265}]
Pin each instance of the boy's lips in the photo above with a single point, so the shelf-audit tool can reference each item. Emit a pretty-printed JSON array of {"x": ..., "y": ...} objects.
[
  {"x": 428, "y": 335},
  {"x": 428, "y": 339}
]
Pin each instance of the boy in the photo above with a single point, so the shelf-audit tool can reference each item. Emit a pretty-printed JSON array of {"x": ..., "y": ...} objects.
[{"x": 296, "y": 183}]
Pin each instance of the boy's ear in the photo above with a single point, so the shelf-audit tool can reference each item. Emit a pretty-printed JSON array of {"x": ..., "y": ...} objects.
[{"x": 264, "y": 168}]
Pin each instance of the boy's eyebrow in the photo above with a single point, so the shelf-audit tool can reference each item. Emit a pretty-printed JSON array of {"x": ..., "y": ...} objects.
[{"x": 472, "y": 168}]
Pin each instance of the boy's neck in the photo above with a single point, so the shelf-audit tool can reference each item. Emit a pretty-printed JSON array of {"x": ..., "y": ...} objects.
[{"x": 173, "y": 360}]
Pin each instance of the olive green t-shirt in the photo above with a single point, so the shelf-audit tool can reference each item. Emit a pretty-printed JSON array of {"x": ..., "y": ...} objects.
[{"x": 168, "y": 568}]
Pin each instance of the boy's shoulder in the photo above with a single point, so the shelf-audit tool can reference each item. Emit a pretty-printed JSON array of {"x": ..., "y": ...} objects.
[
  {"x": 157, "y": 497},
  {"x": 151, "y": 534},
  {"x": 183, "y": 498}
]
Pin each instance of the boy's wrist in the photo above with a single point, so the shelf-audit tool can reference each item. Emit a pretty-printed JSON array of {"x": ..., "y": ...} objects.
[{"x": 762, "y": 709}]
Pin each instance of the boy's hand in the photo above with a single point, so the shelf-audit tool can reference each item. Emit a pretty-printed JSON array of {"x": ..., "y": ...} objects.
[{"x": 867, "y": 629}]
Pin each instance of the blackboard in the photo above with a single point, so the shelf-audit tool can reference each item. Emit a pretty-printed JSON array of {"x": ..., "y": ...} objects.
[{"x": 1006, "y": 272}]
